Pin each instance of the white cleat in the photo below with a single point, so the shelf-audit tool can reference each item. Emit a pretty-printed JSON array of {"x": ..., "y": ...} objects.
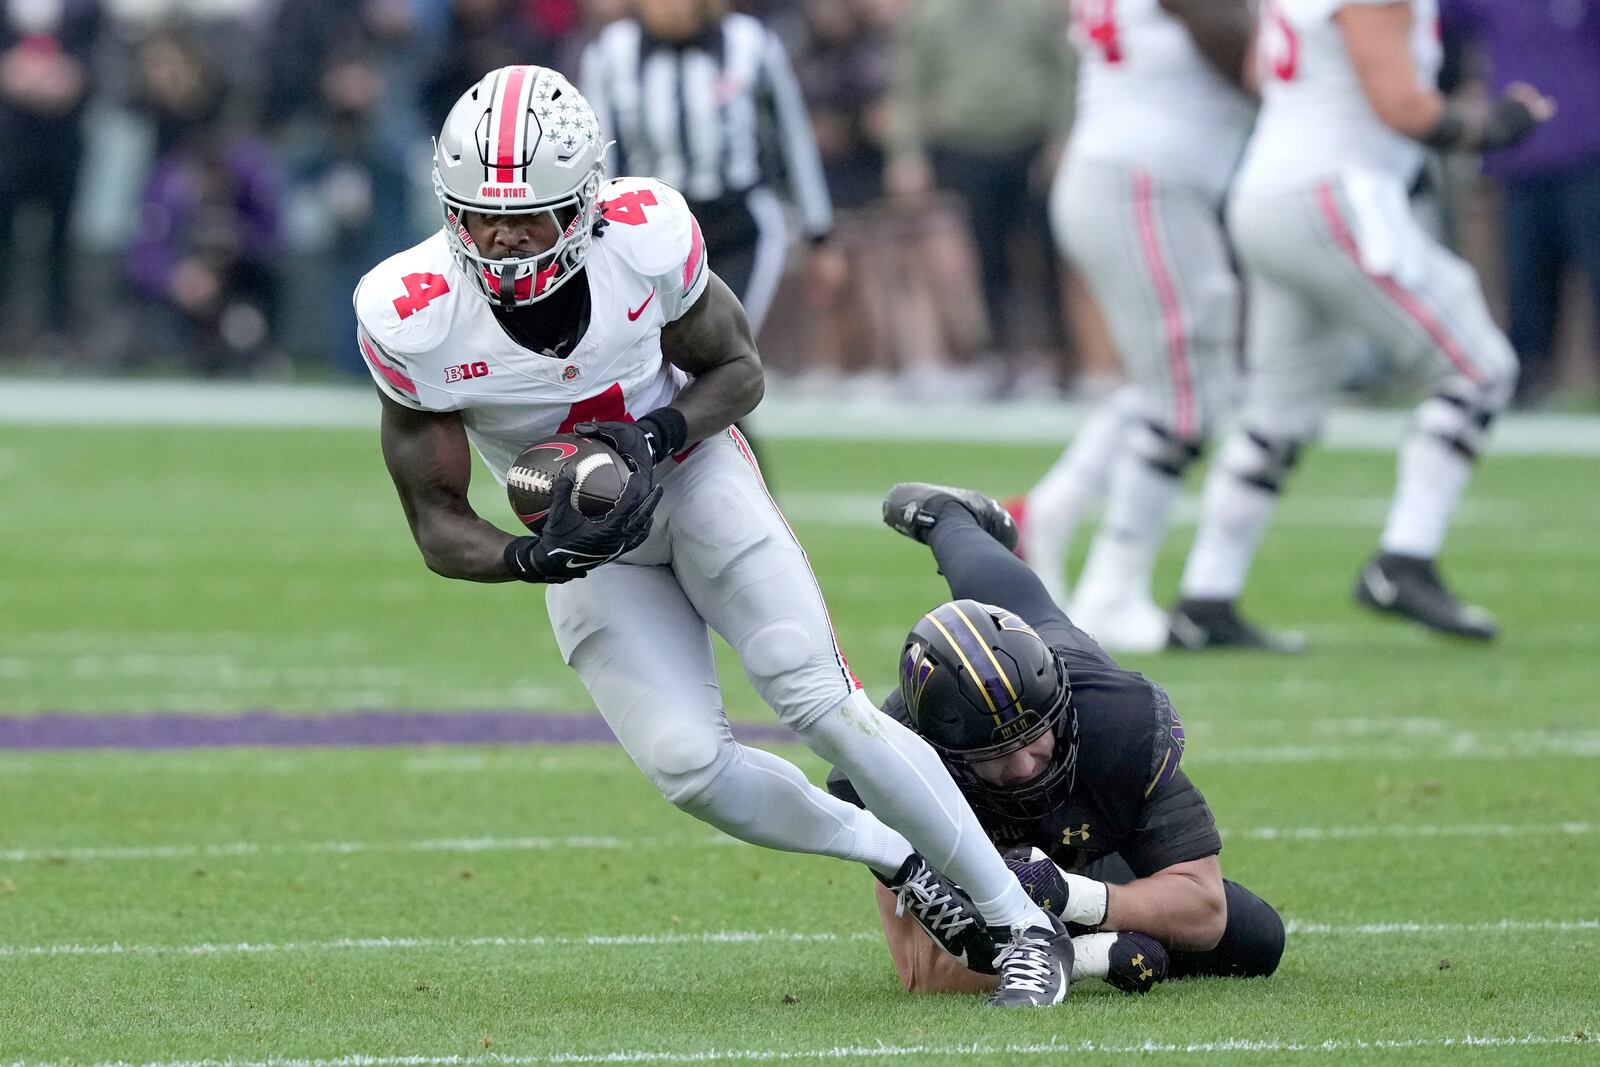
[{"x": 1122, "y": 624}]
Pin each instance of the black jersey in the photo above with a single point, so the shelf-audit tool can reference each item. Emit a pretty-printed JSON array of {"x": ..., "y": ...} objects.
[{"x": 1129, "y": 795}]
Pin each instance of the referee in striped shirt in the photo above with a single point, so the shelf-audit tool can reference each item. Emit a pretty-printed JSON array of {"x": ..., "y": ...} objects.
[{"x": 707, "y": 102}]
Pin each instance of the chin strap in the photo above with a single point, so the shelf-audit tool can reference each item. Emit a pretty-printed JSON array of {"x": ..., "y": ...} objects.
[{"x": 508, "y": 287}]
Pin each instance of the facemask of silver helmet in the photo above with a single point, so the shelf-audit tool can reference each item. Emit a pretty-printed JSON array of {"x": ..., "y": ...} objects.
[
  {"x": 522, "y": 140},
  {"x": 979, "y": 684}
]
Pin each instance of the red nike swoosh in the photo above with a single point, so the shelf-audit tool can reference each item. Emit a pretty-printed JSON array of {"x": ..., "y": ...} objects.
[{"x": 634, "y": 313}]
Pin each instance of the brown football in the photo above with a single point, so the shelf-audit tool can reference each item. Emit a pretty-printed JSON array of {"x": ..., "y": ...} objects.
[{"x": 598, "y": 477}]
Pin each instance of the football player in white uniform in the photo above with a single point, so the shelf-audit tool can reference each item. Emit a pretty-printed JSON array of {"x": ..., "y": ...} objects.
[
  {"x": 1137, "y": 208},
  {"x": 552, "y": 300},
  {"x": 1320, "y": 218}
]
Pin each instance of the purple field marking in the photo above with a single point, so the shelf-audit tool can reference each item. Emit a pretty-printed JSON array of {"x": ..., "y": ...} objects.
[{"x": 358, "y": 728}]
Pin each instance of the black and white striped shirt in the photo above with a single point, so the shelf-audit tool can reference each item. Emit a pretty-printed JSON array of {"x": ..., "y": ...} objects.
[{"x": 714, "y": 116}]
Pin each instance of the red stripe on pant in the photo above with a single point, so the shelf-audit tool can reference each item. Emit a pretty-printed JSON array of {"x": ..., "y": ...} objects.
[
  {"x": 1171, "y": 306},
  {"x": 838, "y": 653},
  {"x": 1414, "y": 308}
]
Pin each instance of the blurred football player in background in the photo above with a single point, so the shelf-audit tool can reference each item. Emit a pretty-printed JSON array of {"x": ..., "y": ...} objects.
[
  {"x": 698, "y": 97},
  {"x": 1137, "y": 209},
  {"x": 1062, "y": 752},
  {"x": 1320, "y": 218},
  {"x": 587, "y": 305},
  {"x": 706, "y": 101}
]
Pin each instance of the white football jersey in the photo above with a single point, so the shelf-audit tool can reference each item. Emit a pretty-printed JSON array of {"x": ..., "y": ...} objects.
[
  {"x": 1147, "y": 97},
  {"x": 1315, "y": 121},
  {"x": 433, "y": 343}
]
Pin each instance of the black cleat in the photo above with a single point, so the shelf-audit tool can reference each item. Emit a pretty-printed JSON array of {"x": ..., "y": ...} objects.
[
  {"x": 1409, "y": 586},
  {"x": 1138, "y": 962},
  {"x": 912, "y": 508},
  {"x": 1035, "y": 967},
  {"x": 1203, "y": 624},
  {"x": 944, "y": 912}
]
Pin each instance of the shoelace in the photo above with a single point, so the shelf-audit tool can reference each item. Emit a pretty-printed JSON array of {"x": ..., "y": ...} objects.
[
  {"x": 936, "y": 909},
  {"x": 1025, "y": 964}
]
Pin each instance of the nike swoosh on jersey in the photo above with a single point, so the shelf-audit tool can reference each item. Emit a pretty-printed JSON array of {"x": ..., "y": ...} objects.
[{"x": 634, "y": 313}]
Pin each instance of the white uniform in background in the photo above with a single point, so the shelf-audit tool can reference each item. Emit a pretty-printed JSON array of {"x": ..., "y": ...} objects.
[
  {"x": 1321, "y": 219},
  {"x": 1137, "y": 209}
]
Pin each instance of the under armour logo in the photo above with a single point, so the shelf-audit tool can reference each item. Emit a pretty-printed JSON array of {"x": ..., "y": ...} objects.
[
  {"x": 1082, "y": 833},
  {"x": 1145, "y": 973}
]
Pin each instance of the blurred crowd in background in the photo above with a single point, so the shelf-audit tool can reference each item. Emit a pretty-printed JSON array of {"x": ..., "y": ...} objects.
[{"x": 195, "y": 186}]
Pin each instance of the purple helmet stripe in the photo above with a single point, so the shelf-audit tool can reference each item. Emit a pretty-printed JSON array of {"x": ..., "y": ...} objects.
[{"x": 986, "y": 671}]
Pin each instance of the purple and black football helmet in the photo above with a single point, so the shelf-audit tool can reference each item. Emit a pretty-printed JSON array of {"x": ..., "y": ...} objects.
[{"x": 979, "y": 683}]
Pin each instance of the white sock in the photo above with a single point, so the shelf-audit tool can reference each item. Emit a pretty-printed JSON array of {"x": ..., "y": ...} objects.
[
  {"x": 1070, "y": 488},
  {"x": 1087, "y": 900},
  {"x": 765, "y": 800},
  {"x": 1234, "y": 514},
  {"x": 1431, "y": 478},
  {"x": 904, "y": 782},
  {"x": 1091, "y": 955},
  {"x": 1138, "y": 512}
]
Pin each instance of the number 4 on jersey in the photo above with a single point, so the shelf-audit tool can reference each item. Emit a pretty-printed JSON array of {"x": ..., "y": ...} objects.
[
  {"x": 628, "y": 208},
  {"x": 420, "y": 290}
]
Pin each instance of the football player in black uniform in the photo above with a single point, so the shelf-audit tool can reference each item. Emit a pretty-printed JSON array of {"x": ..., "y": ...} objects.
[{"x": 1068, "y": 760}]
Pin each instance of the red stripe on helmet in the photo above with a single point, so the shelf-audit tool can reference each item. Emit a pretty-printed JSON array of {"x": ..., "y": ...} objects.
[{"x": 506, "y": 139}]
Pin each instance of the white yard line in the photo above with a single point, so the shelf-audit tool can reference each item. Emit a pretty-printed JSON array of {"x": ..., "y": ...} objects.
[
  {"x": 389, "y": 944},
  {"x": 864, "y": 509},
  {"x": 1502, "y": 926},
  {"x": 1303, "y": 927},
  {"x": 488, "y": 843},
  {"x": 343, "y": 848},
  {"x": 882, "y": 1050},
  {"x": 1409, "y": 832},
  {"x": 1411, "y": 745},
  {"x": 782, "y": 414}
]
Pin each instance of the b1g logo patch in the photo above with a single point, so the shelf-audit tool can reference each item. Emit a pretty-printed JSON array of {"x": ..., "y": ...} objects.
[{"x": 462, "y": 371}]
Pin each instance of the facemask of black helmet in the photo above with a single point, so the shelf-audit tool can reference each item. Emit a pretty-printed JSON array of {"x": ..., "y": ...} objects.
[{"x": 980, "y": 684}]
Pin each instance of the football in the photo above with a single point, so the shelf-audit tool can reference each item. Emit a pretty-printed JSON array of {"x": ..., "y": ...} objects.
[{"x": 598, "y": 477}]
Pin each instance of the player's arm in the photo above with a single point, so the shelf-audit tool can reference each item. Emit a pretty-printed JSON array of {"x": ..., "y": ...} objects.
[
  {"x": 1378, "y": 38},
  {"x": 429, "y": 460},
  {"x": 1182, "y": 906},
  {"x": 923, "y": 966},
  {"x": 712, "y": 342},
  {"x": 431, "y": 463},
  {"x": 1222, "y": 30}
]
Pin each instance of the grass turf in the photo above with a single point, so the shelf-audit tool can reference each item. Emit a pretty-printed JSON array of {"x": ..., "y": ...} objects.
[{"x": 167, "y": 907}]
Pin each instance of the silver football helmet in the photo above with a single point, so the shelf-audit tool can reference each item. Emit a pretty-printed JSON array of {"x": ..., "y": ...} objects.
[{"x": 522, "y": 140}]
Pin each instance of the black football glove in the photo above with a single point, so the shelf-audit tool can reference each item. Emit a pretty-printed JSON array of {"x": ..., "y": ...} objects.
[
  {"x": 570, "y": 544},
  {"x": 1078, "y": 901},
  {"x": 645, "y": 443}
]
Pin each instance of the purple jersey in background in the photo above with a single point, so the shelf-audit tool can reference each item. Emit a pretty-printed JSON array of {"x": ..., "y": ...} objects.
[{"x": 1553, "y": 45}]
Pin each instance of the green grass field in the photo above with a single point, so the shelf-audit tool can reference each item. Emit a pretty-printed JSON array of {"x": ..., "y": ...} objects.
[{"x": 1426, "y": 813}]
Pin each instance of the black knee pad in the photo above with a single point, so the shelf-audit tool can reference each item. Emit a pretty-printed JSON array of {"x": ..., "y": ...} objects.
[
  {"x": 1458, "y": 416},
  {"x": 1262, "y": 461},
  {"x": 1165, "y": 451},
  {"x": 1251, "y": 945}
]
